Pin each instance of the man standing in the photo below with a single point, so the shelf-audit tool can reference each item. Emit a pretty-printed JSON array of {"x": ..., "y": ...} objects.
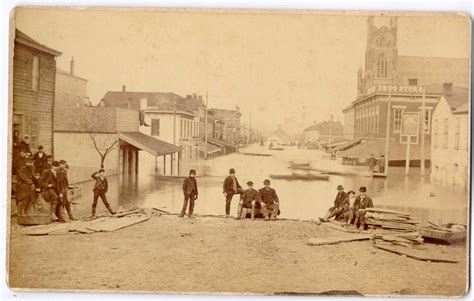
[
  {"x": 41, "y": 160},
  {"x": 268, "y": 196},
  {"x": 24, "y": 145},
  {"x": 338, "y": 208},
  {"x": 63, "y": 187},
  {"x": 25, "y": 190},
  {"x": 372, "y": 162},
  {"x": 190, "y": 191},
  {"x": 49, "y": 190},
  {"x": 361, "y": 202},
  {"x": 100, "y": 189},
  {"x": 381, "y": 163},
  {"x": 247, "y": 202},
  {"x": 231, "y": 186}
]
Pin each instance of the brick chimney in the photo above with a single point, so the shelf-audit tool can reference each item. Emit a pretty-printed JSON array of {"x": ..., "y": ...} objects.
[
  {"x": 448, "y": 89},
  {"x": 71, "y": 66},
  {"x": 124, "y": 88}
]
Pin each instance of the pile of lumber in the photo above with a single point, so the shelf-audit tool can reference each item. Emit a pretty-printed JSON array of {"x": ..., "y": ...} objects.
[{"x": 393, "y": 227}]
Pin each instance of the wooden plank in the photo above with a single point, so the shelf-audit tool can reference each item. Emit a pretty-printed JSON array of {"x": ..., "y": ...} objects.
[
  {"x": 340, "y": 228},
  {"x": 414, "y": 256},
  {"x": 323, "y": 241},
  {"x": 404, "y": 213}
]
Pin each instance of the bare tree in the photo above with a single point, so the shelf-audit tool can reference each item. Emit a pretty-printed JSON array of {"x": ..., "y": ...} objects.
[{"x": 103, "y": 153}]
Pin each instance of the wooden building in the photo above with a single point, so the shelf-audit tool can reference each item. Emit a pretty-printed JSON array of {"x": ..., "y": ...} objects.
[{"x": 34, "y": 74}]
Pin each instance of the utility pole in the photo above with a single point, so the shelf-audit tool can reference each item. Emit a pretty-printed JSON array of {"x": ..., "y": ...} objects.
[
  {"x": 423, "y": 130},
  {"x": 330, "y": 130},
  {"x": 205, "y": 128},
  {"x": 174, "y": 120},
  {"x": 387, "y": 130}
]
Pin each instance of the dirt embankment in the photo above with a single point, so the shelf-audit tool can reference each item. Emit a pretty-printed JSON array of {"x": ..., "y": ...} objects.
[{"x": 169, "y": 254}]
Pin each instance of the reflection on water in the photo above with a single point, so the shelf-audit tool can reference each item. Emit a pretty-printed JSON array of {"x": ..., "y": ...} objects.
[{"x": 299, "y": 199}]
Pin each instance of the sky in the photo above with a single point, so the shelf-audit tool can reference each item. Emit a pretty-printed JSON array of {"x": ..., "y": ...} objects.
[{"x": 288, "y": 69}]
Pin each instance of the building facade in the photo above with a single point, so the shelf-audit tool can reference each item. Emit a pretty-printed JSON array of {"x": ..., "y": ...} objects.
[
  {"x": 34, "y": 76},
  {"x": 231, "y": 125},
  {"x": 70, "y": 89},
  {"x": 451, "y": 144}
]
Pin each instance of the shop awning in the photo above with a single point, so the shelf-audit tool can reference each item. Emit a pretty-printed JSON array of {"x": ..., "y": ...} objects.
[
  {"x": 344, "y": 145},
  {"x": 211, "y": 148},
  {"x": 151, "y": 145},
  {"x": 397, "y": 151}
]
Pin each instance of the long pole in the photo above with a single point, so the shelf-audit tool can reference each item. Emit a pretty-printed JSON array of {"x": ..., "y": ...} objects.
[
  {"x": 205, "y": 128},
  {"x": 387, "y": 131},
  {"x": 330, "y": 130},
  {"x": 423, "y": 130},
  {"x": 174, "y": 120},
  {"x": 407, "y": 159}
]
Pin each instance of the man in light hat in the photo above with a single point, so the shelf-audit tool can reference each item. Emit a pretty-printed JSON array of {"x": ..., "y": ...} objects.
[
  {"x": 63, "y": 187},
  {"x": 230, "y": 188},
  {"x": 49, "y": 183},
  {"x": 269, "y": 197},
  {"x": 361, "y": 202},
  {"x": 338, "y": 208},
  {"x": 190, "y": 191},
  {"x": 247, "y": 202}
]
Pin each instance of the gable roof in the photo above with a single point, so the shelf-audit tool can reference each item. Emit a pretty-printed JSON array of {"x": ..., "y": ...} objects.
[
  {"x": 323, "y": 128},
  {"x": 281, "y": 135},
  {"x": 458, "y": 97},
  {"x": 26, "y": 40}
]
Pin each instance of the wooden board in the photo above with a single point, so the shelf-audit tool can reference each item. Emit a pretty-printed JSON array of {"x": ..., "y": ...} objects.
[
  {"x": 387, "y": 211},
  {"x": 331, "y": 241},
  {"x": 413, "y": 255}
]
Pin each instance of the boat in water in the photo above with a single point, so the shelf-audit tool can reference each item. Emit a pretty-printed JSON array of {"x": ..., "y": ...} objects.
[
  {"x": 448, "y": 233},
  {"x": 300, "y": 177}
]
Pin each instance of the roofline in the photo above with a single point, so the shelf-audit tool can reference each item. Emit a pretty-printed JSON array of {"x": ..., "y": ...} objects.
[
  {"x": 69, "y": 74},
  {"x": 169, "y": 112},
  {"x": 435, "y": 57},
  {"x": 38, "y": 47}
]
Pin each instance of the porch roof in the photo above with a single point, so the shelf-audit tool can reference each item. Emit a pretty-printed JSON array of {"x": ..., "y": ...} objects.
[{"x": 151, "y": 145}]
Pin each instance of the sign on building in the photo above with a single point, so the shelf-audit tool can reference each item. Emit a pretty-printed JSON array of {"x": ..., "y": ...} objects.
[{"x": 410, "y": 127}]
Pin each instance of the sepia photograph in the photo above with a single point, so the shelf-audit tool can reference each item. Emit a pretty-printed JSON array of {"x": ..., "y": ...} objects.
[{"x": 239, "y": 151}]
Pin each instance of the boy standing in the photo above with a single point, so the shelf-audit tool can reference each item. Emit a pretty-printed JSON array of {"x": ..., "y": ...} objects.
[
  {"x": 100, "y": 189},
  {"x": 190, "y": 191}
]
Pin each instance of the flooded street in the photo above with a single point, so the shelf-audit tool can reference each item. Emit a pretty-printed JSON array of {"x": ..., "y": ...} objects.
[{"x": 425, "y": 200}]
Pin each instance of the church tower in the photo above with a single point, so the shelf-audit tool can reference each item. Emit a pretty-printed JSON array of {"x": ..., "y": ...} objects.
[{"x": 381, "y": 53}]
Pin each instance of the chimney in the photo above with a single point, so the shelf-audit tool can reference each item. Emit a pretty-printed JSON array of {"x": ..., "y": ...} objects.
[
  {"x": 448, "y": 89},
  {"x": 124, "y": 88},
  {"x": 71, "y": 66}
]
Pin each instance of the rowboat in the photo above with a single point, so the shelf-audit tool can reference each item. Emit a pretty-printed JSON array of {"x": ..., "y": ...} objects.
[
  {"x": 447, "y": 233},
  {"x": 276, "y": 148},
  {"x": 296, "y": 177},
  {"x": 257, "y": 154}
]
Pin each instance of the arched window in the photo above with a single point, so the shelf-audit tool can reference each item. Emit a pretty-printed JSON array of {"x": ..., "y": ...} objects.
[{"x": 382, "y": 66}]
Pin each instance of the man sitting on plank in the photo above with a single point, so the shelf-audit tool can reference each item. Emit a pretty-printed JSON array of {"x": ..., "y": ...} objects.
[
  {"x": 361, "y": 202},
  {"x": 337, "y": 209},
  {"x": 248, "y": 201},
  {"x": 348, "y": 214}
]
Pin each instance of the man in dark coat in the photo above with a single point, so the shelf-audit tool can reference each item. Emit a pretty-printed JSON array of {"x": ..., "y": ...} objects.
[
  {"x": 361, "y": 202},
  {"x": 100, "y": 189},
  {"x": 338, "y": 208},
  {"x": 231, "y": 186},
  {"x": 268, "y": 196},
  {"x": 40, "y": 159},
  {"x": 372, "y": 161},
  {"x": 49, "y": 183},
  {"x": 63, "y": 188},
  {"x": 190, "y": 191},
  {"x": 24, "y": 145},
  {"x": 25, "y": 191},
  {"x": 247, "y": 202}
]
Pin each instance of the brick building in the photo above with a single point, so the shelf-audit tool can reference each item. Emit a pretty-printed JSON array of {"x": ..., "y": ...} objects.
[
  {"x": 70, "y": 89},
  {"x": 34, "y": 75}
]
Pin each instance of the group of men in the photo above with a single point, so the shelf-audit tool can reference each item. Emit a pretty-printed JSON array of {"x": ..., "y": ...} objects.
[
  {"x": 265, "y": 199},
  {"x": 376, "y": 162},
  {"x": 350, "y": 208}
]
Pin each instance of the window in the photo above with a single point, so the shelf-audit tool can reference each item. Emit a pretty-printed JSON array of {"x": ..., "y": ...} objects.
[
  {"x": 427, "y": 120},
  {"x": 155, "y": 127},
  {"x": 413, "y": 82},
  {"x": 457, "y": 133},
  {"x": 445, "y": 133},
  {"x": 382, "y": 66},
  {"x": 35, "y": 74},
  {"x": 435, "y": 133},
  {"x": 397, "y": 120}
]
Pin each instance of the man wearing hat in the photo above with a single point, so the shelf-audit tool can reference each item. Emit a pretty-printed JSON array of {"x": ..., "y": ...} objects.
[
  {"x": 49, "y": 183},
  {"x": 247, "y": 203},
  {"x": 40, "y": 159},
  {"x": 268, "y": 196},
  {"x": 231, "y": 186},
  {"x": 338, "y": 208},
  {"x": 190, "y": 191},
  {"x": 371, "y": 161},
  {"x": 24, "y": 145},
  {"x": 361, "y": 202},
  {"x": 63, "y": 183},
  {"x": 100, "y": 189},
  {"x": 25, "y": 187},
  {"x": 381, "y": 163}
]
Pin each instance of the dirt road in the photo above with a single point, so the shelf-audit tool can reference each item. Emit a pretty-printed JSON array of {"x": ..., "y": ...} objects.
[{"x": 169, "y": 254}]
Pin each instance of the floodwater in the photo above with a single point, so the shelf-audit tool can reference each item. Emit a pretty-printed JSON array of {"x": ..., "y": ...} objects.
[{"x": 298, "y": 199}]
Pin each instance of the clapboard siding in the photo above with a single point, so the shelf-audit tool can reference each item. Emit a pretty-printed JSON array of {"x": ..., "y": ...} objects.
[{"x": 28, "y": 102}]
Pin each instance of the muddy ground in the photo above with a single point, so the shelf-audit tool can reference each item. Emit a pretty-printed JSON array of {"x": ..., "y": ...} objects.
[{"x": 204, "y": 254}]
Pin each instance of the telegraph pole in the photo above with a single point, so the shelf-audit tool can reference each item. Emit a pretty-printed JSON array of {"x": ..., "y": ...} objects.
[
  {"x": 174, "y": 120},
  {"x": 387, "y": 131},
  {"x": 205, "y": 127},
  {"x": 423, "y": 130}
]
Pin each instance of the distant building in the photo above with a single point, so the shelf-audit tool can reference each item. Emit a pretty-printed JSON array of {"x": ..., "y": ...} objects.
[
  {"x": 70, "y": 89},
  {"x": 279, "y": 137},
  {"x": 325, "y": 132},
  {"x": 34, "y": 69},
  {"x": 450, "y": 144},
  {"x": 231, "y": 119},
  {"x": 402, "y": 78}
]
